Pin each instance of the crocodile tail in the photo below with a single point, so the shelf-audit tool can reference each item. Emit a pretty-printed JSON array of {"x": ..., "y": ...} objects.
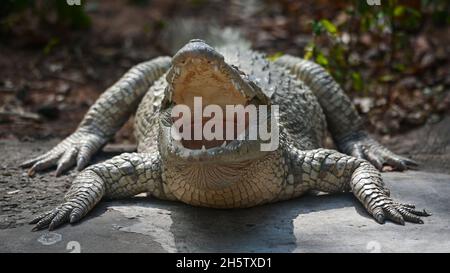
[{"x": 180, "y": 31}]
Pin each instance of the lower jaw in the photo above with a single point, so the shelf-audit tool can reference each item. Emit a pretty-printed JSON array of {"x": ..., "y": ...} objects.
[
  {"x": 203, "y": 144},
  {"x": 235, "y": 152}
]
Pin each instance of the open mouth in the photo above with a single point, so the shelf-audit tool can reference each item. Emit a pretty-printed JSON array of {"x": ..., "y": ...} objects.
[
  {"x": 229, "y": 130},
  {"x": 201, "y": 80}
]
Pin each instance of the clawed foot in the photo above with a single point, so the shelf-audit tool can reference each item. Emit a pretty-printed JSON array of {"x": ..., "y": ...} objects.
[
  {"x": 378, "y": 202},
  {"x": 67, "y": 212},
  {"x": 364, "y": 147},
  {"x": 368, "y": 186},
  {"x": 77, "y": 149},
  {"x": 399, "y": 213},
  {"x": 86, "y": 191}
]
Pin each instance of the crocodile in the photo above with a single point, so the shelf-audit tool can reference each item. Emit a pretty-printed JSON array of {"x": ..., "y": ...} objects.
[{"x": 225, "y": 174}]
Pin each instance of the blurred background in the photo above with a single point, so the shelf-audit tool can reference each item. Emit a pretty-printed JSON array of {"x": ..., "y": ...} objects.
[{"x": 56, "y": 58}]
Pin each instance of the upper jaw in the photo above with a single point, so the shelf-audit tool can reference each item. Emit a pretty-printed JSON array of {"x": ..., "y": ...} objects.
[{"x": 196, "y": 53}]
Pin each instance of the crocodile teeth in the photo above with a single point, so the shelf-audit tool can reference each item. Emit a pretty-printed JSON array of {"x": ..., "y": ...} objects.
[
  {"x": 178, "y": 143},
  {"x": 224, "y": 144},
  {"x": 236, "y": 85},
  {"x": 203, "y": 148},
  {"x": 177, "y": 71}
]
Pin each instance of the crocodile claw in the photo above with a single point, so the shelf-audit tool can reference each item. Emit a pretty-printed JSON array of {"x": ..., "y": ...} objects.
[
  {"x": 364, "y": 147},
  {"x": 64, "y": 213}
]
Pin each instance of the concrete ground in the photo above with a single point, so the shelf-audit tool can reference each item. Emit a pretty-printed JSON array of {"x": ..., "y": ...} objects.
[{"x": 324, "y": 223}]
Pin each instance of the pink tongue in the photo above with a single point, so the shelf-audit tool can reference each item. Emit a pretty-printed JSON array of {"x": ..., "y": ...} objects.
[{"x": 198, "y": 143}]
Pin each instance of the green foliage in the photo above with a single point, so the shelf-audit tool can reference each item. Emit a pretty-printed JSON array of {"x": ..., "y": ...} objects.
[
  {"x": 357, "y": 81},
  {"x": 275, "y": 56},
  {"x": 47, "y": 11},
  {"x": 334, "y": 45},
  {"x": 330, "y": 27},
  {"x": 50, "y": 45}
]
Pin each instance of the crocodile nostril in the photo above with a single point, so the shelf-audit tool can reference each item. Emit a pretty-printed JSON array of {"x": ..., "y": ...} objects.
[{"x": 196, "y": 41}]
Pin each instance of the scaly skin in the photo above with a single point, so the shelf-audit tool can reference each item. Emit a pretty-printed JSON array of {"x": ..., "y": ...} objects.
[
  {"x": 237, "y": 177},
  {"x": 122, "y": 176},
  {"x": 343, "y": 120},
  {"x": 103, "y": 120}
]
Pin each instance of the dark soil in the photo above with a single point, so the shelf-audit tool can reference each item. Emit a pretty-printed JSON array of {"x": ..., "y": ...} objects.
[
  {"x": 51, "y": 75},
  {"x": 23, "y": 197}
]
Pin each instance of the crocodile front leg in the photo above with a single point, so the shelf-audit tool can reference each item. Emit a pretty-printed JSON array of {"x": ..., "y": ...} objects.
[
  {"x": 343, "y": 120},
  {"x": 122, "y": 176},
  {"x": 104, "y": 118},
  {"x": 330, "y": 171}
]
